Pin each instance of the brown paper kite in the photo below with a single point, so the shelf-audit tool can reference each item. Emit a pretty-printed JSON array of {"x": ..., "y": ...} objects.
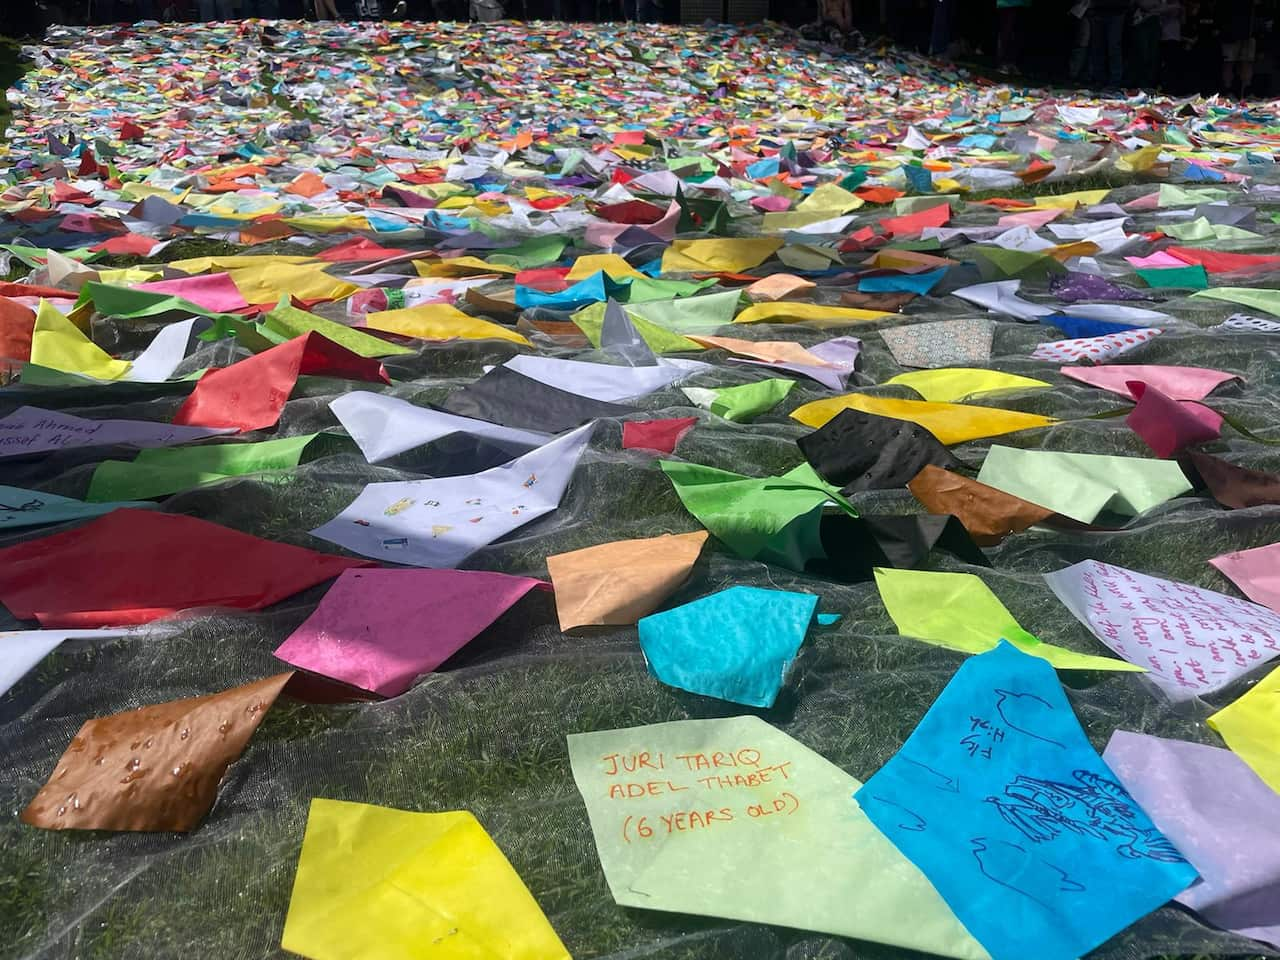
[
  {"x": 618, "y": 583},
  {"x": 154, "y": 768}
]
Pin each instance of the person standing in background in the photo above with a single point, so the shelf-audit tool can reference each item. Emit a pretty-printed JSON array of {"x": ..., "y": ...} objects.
[
  {"x": 1079, "y": 15},
  {"x": 1009, "y": 42},
  {"x": 1171, "y": 56},
  {"x": 1146, "y": 41},
  {"x": 1239, "y": 45},
  {"x": 1106, "y": 41}
]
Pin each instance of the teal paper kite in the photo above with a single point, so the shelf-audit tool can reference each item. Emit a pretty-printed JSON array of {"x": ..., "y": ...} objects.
[
  {"x": 34, "y": 508},
  {"x": 734, "y": 645}
]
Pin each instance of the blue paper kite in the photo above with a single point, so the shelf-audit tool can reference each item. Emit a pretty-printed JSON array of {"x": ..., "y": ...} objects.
[{"x": 1001, "y": 801}]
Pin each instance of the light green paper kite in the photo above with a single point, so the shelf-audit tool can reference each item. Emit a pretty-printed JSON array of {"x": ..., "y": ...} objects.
[
  {"x": 771, "y": 519},
  {"x": 159, "y": 472},
  {"x": 732, "y": 818},
  {"x": 1082, "y": 485},
  {"x": 958, "y": 611},
  {"x": 743, "y": 403}
]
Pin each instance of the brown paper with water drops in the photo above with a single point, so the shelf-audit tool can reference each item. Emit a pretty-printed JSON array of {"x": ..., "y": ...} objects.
[{"x": 154, "y": 768}]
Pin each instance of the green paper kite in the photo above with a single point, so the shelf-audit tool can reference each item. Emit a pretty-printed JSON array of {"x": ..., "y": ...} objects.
[{"x": 744, "y": 403}]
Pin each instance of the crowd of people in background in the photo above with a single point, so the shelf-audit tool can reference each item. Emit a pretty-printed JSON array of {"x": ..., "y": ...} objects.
[{"x": 1176, "y": 46}]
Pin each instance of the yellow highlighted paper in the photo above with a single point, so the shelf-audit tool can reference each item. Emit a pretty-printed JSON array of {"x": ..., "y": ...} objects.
[
  {"x": 730, "y": 254},
  {"x": 1251, "y": 728},
  {"x": 959, "y": 612},
  {"x": 440, "y": 321},
  {"x": 269, "y": 282},
  {"x": 58, "y": 344},
  {"x": 613, "y": 265},
  {"x": 950, "y": 422},
  {"x": 813, "y": 314},
  {"x": 375, "y": 883},
  {"x": 956, "y": 383}
]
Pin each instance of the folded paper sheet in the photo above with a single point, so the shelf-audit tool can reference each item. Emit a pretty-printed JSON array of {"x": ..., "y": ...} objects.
[
  {"x": 771, "y": 519},
  {"x": 1233, "y": 486},
  {"x": 743, "y": 403},
  {"x": 860, "y": 451},
  {"x": 960, "y": 383},
  {"x": 368, "y": 629},
  {"x": 30, "y": 430},
  {"x": 154, "y": 768},
  {"x": 1098, "y": 349},
  {"x": 945, "y": 343},
  {"x": 250, "y": 394},
  {"x": 1251, "y": 728},
  {"x": 441, "y": 522},
  {"x": 711, "y": 817},
  {"x": 998, "y": 797},
  {"x": 1168, "y": 426},
  {"x": 375, "y": 883},
  {"x": 958, "y": 611},
  {"x": 440, "y": 321},
  {"x": 834, "y": 362},
  {"x": 512, "y": 400},
  {"x": 157, "y": 473},
  {"x": 21, "y": 650},
  {"x": 988, "y": 514},
  {"x": 618, "y": 583},
  {"x": 602, "y": 381},
  {"x": 289, "y": 322},
  {"x": 134, "y": 566},
  {"x": 734, "y": 645},
  {"x": 1082, "y": 485},
  {"x": 1178, "y": 383},
  {"x": 656, "y": 436},
  {"x": 1256, "y": 572},
  {"x": 951, "y": 423},
  {"x": 384, "y": 426},
  {"x": 813, "y": 314},
  {"x": 1193, "y": 641},
  {"x": 33, "y": 508},
  {"x": 1222, "y": 818}
]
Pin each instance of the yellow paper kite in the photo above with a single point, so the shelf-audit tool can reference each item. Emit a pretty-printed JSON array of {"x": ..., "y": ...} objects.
[
  {"x": 219, "y": 264},
  {"x": 949, "y": 422},
  {"x": 830, "y": 199},
  {"x": 613, "y": 265},
  {"x": 440, "y": 321},
  {"x": 57, "y": 343},
  {"x": 1251, "y": 728},
  {"x": 267, "y": 283},
  {"x": 1069, "y": 201},
  {"x": 375, "y": 884},
  {"x": 719, "y": 253},
  {"x": 461, "y": 267},
  {"x": 813, "y": 314},
  {"x": 956, "y": 383}
]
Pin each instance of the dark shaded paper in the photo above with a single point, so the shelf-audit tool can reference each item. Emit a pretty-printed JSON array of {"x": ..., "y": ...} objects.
[
  {"x": 855, "y": 546},
  {"x": 511, "y": 399},
  {"x": 1233, "y": 486},
  {"x": 862, "y": 451}
]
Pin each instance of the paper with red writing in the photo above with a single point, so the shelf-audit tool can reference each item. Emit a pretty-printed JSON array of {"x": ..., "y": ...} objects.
[
  {"x": 1192, "y": 641},
  {"x": 732, "y": 818}
]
